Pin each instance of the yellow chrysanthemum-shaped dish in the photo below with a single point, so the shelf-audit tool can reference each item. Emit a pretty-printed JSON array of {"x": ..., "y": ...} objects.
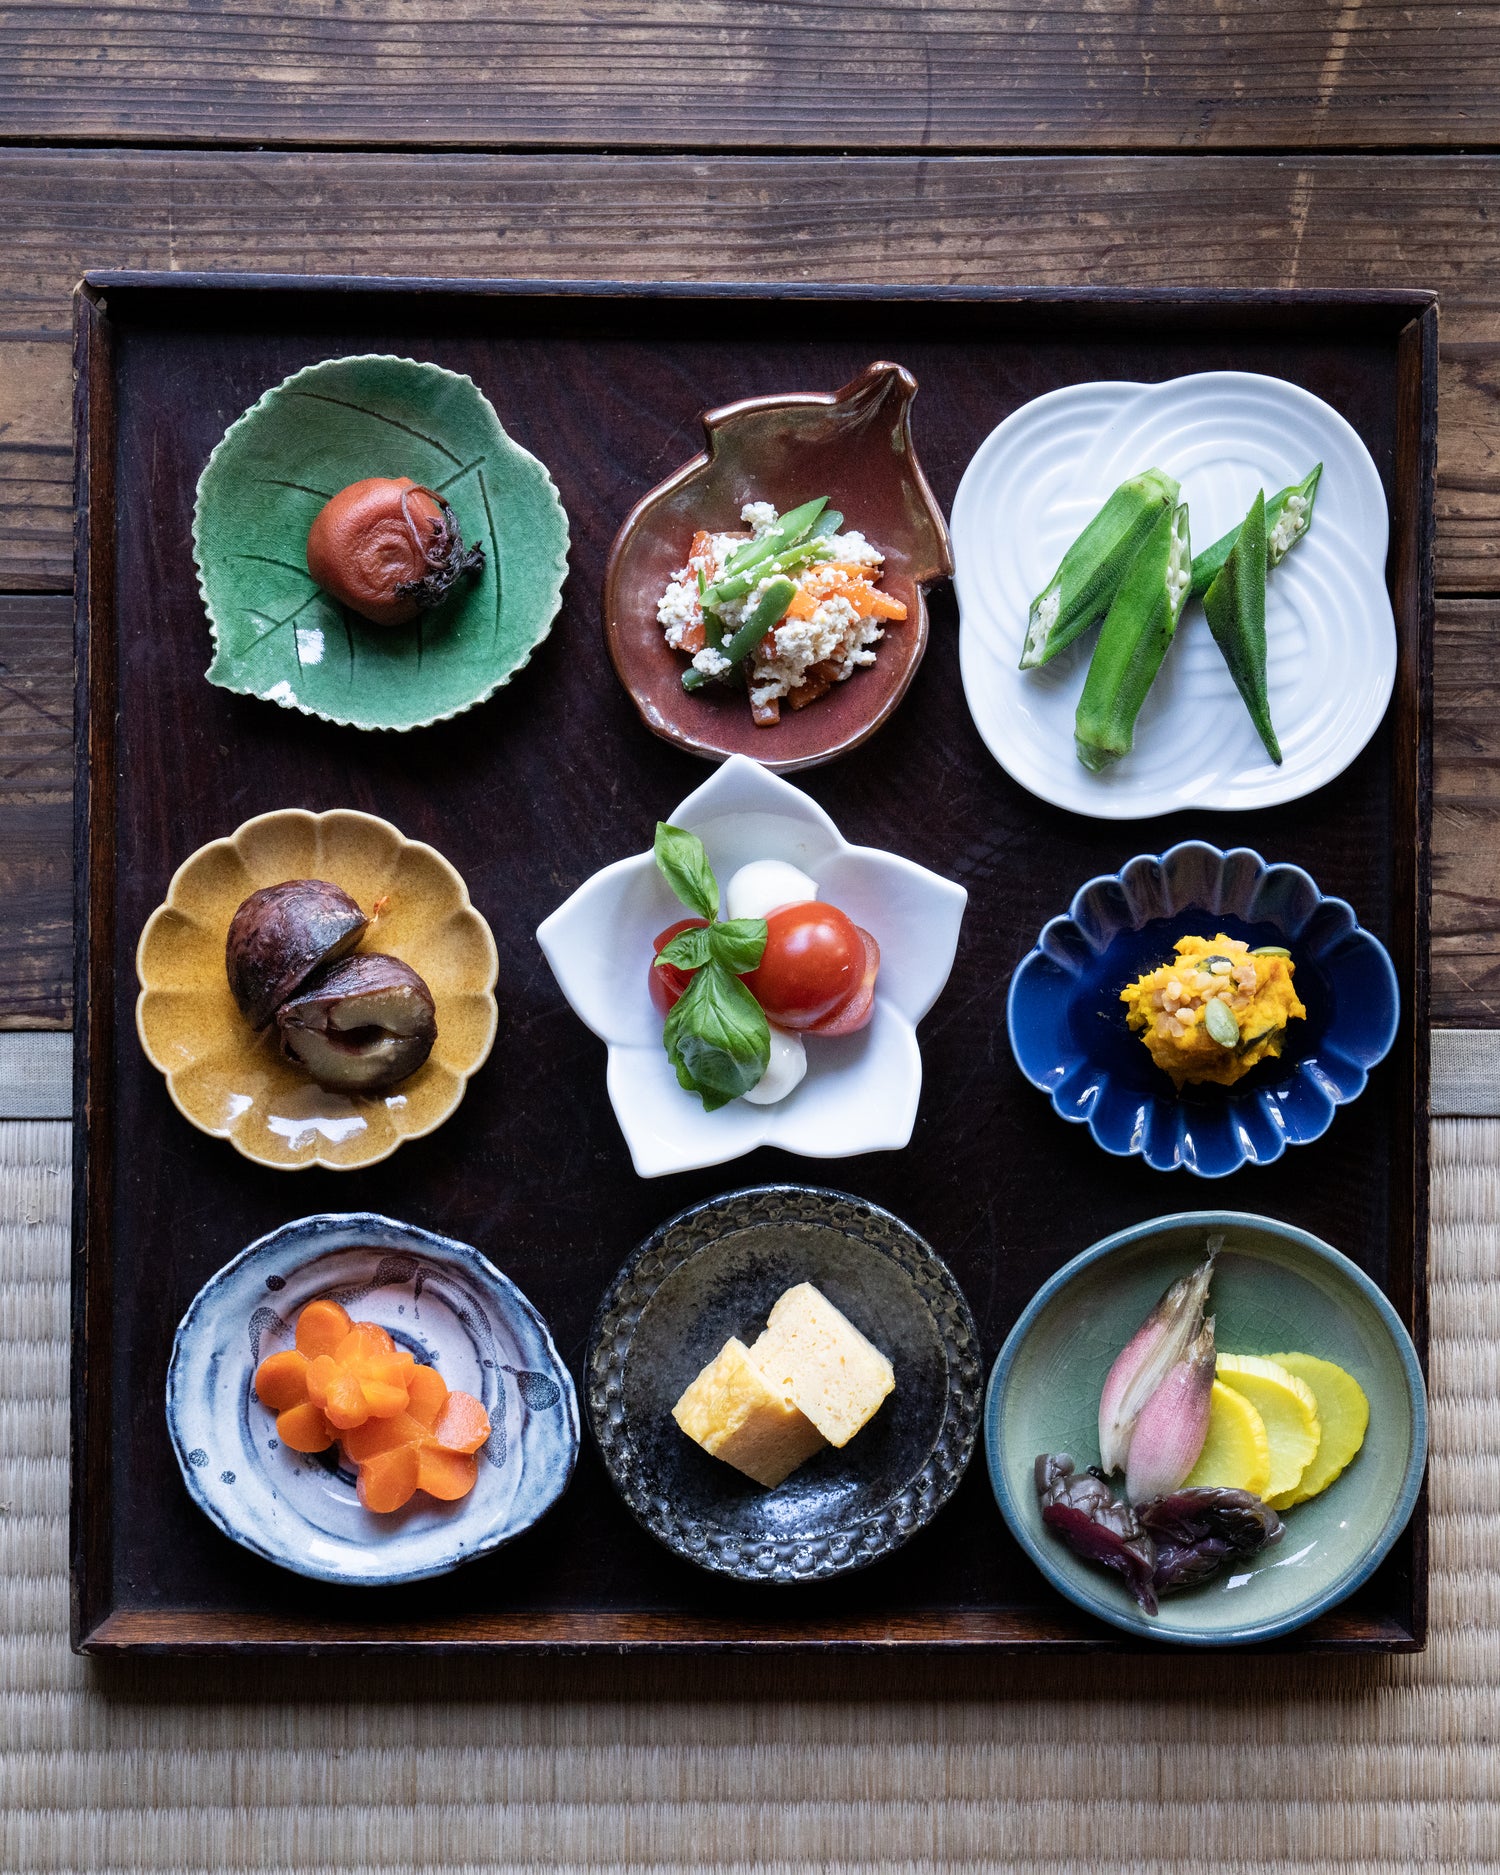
[{"x": 234, "y": 1083}]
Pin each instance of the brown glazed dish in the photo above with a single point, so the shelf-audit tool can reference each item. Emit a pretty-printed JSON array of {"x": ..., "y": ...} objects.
[{"x": 855, "y": 447}]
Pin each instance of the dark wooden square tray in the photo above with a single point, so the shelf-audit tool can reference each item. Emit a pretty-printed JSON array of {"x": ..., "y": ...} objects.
[{"x": 532, "y": 792}]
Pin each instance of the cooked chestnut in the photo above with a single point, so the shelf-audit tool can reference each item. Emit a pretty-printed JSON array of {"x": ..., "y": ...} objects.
[
  {"x": 361, "y": 1024},
  {"x": 388, "y": 549},
  {"x": 280, "y": 935}
]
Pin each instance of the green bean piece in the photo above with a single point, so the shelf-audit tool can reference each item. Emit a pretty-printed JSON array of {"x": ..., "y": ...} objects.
[
  {"x": 1082, "y": 589},
  {"x": 1134, "y": 639},
  {"x": 770, "y": 609},
  {"x": 1288, "y": 517},
  {"x": 792, "y": 560},
  {"x": 788, "y": 532},
  {"x": 1235, "y": 606}
]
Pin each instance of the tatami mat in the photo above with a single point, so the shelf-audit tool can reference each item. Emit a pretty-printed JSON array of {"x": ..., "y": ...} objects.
[{"x": 1073, "y": 1768}]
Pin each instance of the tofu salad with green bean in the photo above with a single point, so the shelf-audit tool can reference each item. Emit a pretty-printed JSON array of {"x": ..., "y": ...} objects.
[{"x": 1132, "y": 571}]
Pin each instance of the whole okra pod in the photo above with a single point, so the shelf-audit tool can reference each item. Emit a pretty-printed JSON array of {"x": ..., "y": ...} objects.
[
  {"x": 1235, "y": 606},
  {"x": 1080, "y": 592},
  {"x": 1133, "y": 641},
  {"x": 1289, "y": 515}
]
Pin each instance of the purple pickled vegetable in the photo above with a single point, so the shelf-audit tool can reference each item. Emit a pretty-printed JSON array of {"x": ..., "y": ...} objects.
[
  {"x": 1094, "y": 1524},
  {"x": 1200, "y": 1531},
  {"x": 1173, "y": 1424}
]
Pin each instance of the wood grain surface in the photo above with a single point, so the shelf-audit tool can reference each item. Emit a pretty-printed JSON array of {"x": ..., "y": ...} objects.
[
  {"x": 753, "y": 74},
  {"x": 1152, "y": 221}
]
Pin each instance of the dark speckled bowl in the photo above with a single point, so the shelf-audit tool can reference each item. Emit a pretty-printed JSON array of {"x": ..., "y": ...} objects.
[{"x": 714, "y": 1271}]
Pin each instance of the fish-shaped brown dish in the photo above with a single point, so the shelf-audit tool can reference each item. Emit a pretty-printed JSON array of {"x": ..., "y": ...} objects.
[{"x": 854, "y": 446}]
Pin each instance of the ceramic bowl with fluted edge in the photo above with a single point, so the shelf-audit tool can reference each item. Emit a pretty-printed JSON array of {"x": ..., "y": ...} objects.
[
  {"x": 715, "y": 1270},
  {"x": 1035, "y": 483},
  {"x": 235, "y": 1083},
  {"x": 861, "y": 1091},
  {"x": 453, "y": 1310},
  {"x": 1276, "y": 1290},
  {"x": 853, "y": 445},
  {"x": 279, "y": 636},
  {"x": 1069, "y": 1034}
]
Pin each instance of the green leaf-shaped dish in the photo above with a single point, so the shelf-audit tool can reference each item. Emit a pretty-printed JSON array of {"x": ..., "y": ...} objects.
[{"x": 279, "y": 636}]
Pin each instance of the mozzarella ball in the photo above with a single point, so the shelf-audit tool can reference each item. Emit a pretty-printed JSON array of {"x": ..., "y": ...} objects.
[
  {"x": 764, "y": 886},
  {"x": 784, "y": 1071}
]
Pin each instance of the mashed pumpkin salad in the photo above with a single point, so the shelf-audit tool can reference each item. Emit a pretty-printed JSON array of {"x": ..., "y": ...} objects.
[
  {"x": 784, "y": 611},
  {"x": 1216, "y": 1011}
]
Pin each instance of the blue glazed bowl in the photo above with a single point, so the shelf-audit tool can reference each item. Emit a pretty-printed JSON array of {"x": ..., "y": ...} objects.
[
  {"x": 1276, "y": 1290},
  {"x": 1070, "y": 1037},
  {"x": 436, "y": 1297}
]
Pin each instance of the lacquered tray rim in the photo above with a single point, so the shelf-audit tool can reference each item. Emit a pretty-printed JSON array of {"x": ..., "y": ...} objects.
[{"x": 98, "y": 1625}]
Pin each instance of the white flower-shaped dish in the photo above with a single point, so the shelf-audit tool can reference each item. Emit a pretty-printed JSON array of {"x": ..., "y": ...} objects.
[
  {"x": 860, "y": 1093},
  {"x": 1040, "y": 477}
]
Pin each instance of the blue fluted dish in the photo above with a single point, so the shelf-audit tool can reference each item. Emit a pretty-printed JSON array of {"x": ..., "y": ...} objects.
[
  {"x": 1070, "y": 1037},
  {"x": 436, "y": 1297}
]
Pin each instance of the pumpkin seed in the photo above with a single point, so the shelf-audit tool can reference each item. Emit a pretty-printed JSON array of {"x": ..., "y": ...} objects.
[
  {"x": 1271, "y": 950},
  {"x": 1221, "y": 1024}
]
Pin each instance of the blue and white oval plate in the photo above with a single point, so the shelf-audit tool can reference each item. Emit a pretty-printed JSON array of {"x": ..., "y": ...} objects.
[{"x": 446, "y": 1303}]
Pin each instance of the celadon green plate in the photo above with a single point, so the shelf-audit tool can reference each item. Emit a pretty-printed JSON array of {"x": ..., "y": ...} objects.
[
  {"x": 279, "y": 636},
  {"x": 1276, "y": 1290}
]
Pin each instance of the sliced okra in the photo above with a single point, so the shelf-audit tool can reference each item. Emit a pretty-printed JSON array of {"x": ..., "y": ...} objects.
[
  {"x": 1289, "y": 515},
  {"x": 1133, "y": 641},
  {"x": 1235, "y": 606},
  {"x": 1083, "y": 588}
]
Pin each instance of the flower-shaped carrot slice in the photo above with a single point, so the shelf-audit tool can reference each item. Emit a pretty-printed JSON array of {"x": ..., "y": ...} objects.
[
  {"x": 321, "y": 1326},
  {"x": 429, "y": 1447},
  {"x": 365, "y": 1377},
  {"x": 387, "y": 1480},
  {"x": 340, "y": 1374}
]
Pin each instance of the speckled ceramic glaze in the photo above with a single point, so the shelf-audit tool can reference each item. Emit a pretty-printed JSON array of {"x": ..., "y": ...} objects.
[
  {"x": 861, "y": 1091},
  {"x": 233, "y": 1082},
  {"x": 442, "y": 1300},
  {"x": 853, "y": 445},
  {"x": 278, "y": 636},
  {"x": 1070, "y": 1037},
  {"x": 715, "y": 1271},
  {"x": 1276, "y": 1290}
]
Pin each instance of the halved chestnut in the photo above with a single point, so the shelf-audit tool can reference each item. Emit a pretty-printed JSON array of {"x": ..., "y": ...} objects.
[
  {"x": 280, "y": 935},
  {"x": 361, "y": 1024}
]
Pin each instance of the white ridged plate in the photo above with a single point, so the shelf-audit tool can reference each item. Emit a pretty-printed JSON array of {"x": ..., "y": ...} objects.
[{"x": 1040, "y": 477}]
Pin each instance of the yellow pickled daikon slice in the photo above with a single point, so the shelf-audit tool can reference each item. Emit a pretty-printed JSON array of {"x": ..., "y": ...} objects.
[
  {"x": 1289, "y": 1408},
  {"x": 1236, "y": 1454},
  {"x": 1343, "y": 1413}
]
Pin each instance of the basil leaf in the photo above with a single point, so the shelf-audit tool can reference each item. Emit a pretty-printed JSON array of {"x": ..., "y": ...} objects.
[
  {"x": 738, "y": 944},
  {"x": 717, "y": 1037},
  {"x": 684, "y": 865},
  {"x": 689, "y": 950}
]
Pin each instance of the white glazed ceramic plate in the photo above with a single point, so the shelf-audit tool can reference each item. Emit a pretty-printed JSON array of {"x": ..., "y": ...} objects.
[
  {"x": 1039, "y": 478},
  {"x": 446, "y": 1303},
  {"x": 860, "y": 1092}
]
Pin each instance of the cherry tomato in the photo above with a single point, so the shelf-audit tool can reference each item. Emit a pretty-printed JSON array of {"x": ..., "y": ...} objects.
[
  {"x": 667, "y": 981},
  {"x": 813, "y": 963},
  {"x": 852, "y": 1015}
]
